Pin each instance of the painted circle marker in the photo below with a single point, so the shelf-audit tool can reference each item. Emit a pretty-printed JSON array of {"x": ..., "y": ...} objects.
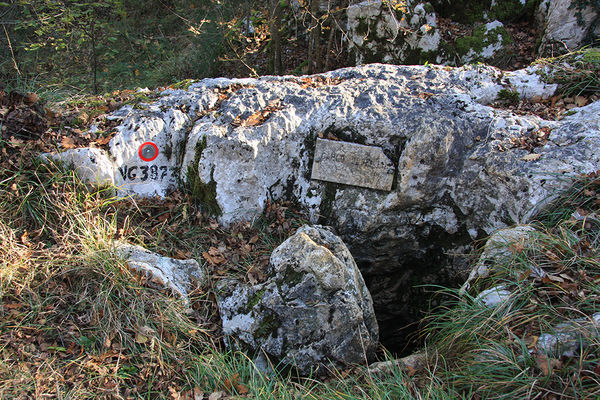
[{"x": 148, "y": 151}]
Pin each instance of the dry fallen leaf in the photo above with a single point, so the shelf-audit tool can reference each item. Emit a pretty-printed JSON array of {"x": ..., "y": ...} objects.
[
  {"x": 104, "y": 140},
  {"x": 547, "y": 365},
  {"x": 67, "y": 142},
  {"x": 580, "y": 101},
  {"x": 531, "y": 157}
]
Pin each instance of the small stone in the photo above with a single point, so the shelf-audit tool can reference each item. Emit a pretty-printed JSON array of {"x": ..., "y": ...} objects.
[
  {"x": 494, "y": 296},
  {"x": 177, "y": 275},
  {"x": 567, "y": 338}
]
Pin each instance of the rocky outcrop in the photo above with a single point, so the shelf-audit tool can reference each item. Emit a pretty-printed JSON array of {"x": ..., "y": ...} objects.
[
  {"x": 460, "y": 169},
  {"x": 568, "y": 24},
  {"x": 407, "y": 32},
  {"x": 312, "y": 312}
]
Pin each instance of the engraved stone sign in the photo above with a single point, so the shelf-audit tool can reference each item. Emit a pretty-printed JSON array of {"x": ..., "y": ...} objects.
[{"x": 352, "y": 164}]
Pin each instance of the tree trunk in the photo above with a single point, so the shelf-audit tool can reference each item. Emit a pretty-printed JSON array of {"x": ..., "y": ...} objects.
[
  {"x": 94, "y": 56},
  {"x": 275, "y": 59},
  {"x": 313, "y": 43}
]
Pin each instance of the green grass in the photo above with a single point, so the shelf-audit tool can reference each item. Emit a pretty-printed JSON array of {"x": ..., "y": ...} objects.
[
  {"x": 576, "y": 73},
  {"x": 492, "y": 351}
]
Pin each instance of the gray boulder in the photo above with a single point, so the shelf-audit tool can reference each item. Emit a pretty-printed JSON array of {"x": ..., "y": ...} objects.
[
  {"x": 401, "y": 33},
  {"x": 568, "y": 24},
  {"x": 568, "y": 338},
  {"x": 312, "y": 312}
]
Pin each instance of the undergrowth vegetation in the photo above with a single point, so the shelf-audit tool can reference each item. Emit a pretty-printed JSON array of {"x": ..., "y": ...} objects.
[
  {"x": 552, "y": 278},
  {"x": 577, "y": 73}
]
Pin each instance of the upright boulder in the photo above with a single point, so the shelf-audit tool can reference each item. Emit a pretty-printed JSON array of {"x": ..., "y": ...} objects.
[
  {"x": 568, "y": 24},
  {"x": 313, "y": 310}
]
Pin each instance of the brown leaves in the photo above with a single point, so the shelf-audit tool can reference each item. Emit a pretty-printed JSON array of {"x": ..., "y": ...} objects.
[
  {"x": 104, "y": 140},
  {"x": 233, "y": 383},
  {"x": 68, "y": 142},
  {"x": 260, "y": 116},
  {"x": 532, "y": 140},
  {"x": 317, "y": 81},
  {"x": 547, "y": 365},
  {"x": 231, "y": 386},
  {"x": 213, "y": 256}
]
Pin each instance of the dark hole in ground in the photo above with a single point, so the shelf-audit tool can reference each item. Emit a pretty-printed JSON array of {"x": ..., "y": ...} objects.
[{"x": 404, "y": 282}]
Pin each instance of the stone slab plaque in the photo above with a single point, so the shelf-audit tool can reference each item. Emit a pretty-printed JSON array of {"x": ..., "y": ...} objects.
[{"x": 352, "y": 164}]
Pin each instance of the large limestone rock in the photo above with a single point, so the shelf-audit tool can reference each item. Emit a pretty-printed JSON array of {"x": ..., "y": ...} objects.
[
  {"x": 313, "y": 311},
  {"x": 459, "y": 171},
  {"x": 568, "y": 24}
]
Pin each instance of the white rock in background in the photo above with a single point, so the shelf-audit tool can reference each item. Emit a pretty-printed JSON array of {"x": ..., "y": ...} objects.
[
  {"x": 566, "y": 25},
  {"x": 381, "y": 31},
  {"x": 492, "y": 44},
  {"x": 567, "y": 338},
  {"x": 313, "y": 310},
  {"x": 177, "y": 275}
]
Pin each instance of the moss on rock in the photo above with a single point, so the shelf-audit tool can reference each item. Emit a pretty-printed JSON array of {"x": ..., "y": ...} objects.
[
  {"x": 489, "y": 43},
  {"x": 204, "y": 193}
]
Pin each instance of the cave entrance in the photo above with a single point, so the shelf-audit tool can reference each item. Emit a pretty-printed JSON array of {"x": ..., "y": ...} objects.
[{"x": 404, "y": 284}]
